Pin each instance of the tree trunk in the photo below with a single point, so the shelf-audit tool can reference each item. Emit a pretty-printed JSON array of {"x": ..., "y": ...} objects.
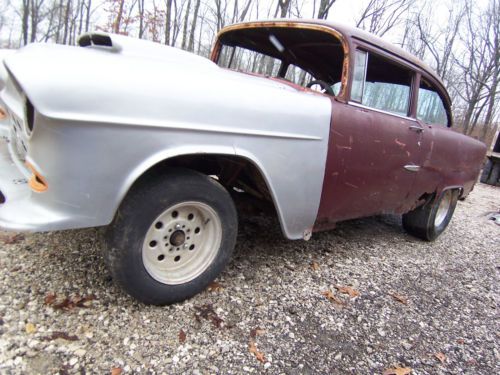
[
  {"x": 25, "y": 20},
  {"x": 193, "y": 26},
  {"x": 118, "y": 19},
  {"x": 186, "y": 22}
]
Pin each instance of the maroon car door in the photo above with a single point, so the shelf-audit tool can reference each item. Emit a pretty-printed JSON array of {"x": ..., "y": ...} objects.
[{"x": 374, "y": 155}]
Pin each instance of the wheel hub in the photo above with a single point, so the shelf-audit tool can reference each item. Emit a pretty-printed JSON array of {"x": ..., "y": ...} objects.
[{"x": 177, "y": 238}]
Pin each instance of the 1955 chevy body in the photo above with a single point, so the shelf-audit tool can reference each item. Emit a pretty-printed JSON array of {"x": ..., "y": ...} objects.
[{"x": 324, "y": 121}]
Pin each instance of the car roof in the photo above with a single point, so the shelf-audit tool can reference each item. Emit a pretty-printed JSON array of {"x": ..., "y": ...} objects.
[{"x": 349, "y": 32}]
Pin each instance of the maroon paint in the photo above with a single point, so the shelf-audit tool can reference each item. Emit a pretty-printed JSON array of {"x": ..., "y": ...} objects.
[{"x": 365, "y": 172}]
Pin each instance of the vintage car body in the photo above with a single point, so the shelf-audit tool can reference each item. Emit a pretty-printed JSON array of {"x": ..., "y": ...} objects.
[
  {"x": 289, "y": 129},
  {"x": 85, "y": 124}
]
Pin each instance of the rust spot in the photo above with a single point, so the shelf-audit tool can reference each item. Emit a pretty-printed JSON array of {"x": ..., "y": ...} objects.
[
  {"x": 3, "y": 113},
  {"x": 36, "y": 182}
]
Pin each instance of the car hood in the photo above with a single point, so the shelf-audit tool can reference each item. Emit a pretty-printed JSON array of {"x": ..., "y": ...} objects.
[{"x": 57, "y": 79}]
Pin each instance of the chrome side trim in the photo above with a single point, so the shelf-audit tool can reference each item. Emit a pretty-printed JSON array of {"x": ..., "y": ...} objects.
[
  {"x": 412, "y": 167},
  {"x": 381, "y": 111}
]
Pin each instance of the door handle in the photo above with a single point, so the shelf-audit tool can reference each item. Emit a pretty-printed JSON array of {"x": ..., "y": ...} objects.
[
  {"x": 412, "y": 167},
  {"x": 417, "y": 128}
]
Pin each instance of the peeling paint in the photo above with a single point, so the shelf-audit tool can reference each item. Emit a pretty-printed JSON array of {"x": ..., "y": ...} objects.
[
  {"x": 399, "y": 143},
  {"x": 351, "y": 185}
]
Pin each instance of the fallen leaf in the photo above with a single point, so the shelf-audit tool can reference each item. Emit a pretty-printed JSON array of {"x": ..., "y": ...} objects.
[
  {"x": 13, "y": 239},
  {"x": 215, "y": 287},
  {"x": 256, "y": 332},
  {"x": 182, "y": 336},
  {"x": 398, "y": 371},
  {"x": 207, "y": 312},
  {"x": 332, "y": 298},
  {"x": 60, "y": 335},
  {"x": 252, "y": 348},
  {"x": 30, "y": 328},
  {"x": 116, "y": 371},
  {"x": 348, "y": 290},
  {"x": 68, "y": 303},
  {"x": 315, "y": 266},
  {"x": 441, "y": 357},
  {"x": 50, "y": 298},
  {"x": 399, "y": 298}
]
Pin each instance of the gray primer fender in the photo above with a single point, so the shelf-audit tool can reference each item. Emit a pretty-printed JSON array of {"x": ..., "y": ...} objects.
[{"x": 103, "y": 118}]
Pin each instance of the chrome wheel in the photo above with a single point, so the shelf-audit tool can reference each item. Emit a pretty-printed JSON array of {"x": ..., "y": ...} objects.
[
  {"x": 182, "y": 242},
  {"x": 443, "y": 208}
]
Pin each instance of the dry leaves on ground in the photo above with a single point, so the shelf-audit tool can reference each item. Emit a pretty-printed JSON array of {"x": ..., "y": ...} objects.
[
  {"x": 215, "y": 287},
  {"x": 252, "y": 348},
  {"x": 256, "y": 332},
  {"x": 348, "y": 290},
  {"x": 207, "y": 312},
  {"x": 399, "y": 298},
  {"x": 60, "y": 335},
  {"x": 182, "y": 336},
  {"x": 315, "y": 266},
  {"x": 30, "y": 328},
  {"x": 332, "y": 298},
  {"x": 441, "y": 357},
  {"x": 398, "y": 371},
  {"x": 11, "y": 239},
  {"x": 68, "y": 303}
]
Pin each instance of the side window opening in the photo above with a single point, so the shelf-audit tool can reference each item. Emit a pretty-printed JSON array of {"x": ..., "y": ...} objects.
[
  {"x": 381, "y": 84},
  {"x": 430, "y": 106}
]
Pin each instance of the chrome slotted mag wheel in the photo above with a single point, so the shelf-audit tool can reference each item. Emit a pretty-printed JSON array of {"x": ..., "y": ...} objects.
[
  {"x": 443, "y": 208},
  {"x": 182, "y": 242}
]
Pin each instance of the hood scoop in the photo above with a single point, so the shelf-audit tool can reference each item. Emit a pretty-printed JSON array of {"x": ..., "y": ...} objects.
[{"x": 99, "y": 40}]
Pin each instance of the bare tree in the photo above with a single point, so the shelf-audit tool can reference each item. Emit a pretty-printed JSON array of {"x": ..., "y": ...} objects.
[
  {"x": 324, "y": 8},
  {"x": 380, "y": 16},
  {"x": 479, "y": 64},
  {"x": 440, "y": 41},
  {"x": 190, "y": 46}
]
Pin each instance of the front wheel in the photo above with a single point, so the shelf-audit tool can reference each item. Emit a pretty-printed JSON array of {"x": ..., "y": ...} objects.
[
  {"x": 172, "y": 236},
  {"x": 431, "y": 219}
]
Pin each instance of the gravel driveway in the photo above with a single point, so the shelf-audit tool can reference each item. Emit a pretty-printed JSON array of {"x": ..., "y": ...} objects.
[{"x": 361, "y": 299}]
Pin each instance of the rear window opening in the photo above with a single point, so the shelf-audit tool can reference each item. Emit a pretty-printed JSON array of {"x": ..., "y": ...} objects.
[{"x": 293, "y": 54}]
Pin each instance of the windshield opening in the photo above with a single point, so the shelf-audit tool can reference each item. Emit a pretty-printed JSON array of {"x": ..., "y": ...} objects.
[{"x": 295, "y": 54}]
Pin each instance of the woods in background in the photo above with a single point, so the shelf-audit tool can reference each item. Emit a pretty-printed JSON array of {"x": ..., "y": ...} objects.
[{"x": 463, "y": 47}]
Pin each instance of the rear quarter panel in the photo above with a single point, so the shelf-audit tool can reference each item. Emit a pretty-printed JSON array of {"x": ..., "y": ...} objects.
[{"x": 452, "y": 160}]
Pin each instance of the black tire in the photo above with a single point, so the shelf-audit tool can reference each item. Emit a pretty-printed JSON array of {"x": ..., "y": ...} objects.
[
  {"x": 421, "y": 222},
  {"x": 154, "y": 195},
  {"x": 486, "y": 171}
]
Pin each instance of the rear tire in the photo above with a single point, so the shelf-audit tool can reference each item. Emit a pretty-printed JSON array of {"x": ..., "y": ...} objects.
[
  {"x": 431, "y": 219},
  {"x": 173, "y": 234}
]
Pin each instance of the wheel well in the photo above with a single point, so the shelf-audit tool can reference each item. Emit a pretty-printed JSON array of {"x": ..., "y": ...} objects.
[{"x": 242, "y": 179}]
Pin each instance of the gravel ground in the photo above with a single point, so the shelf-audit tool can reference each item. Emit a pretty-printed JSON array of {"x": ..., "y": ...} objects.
[{"x": 431, "y": 307}]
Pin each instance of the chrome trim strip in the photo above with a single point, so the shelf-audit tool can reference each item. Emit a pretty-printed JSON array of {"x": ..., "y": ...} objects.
[
  {"x": 412, "y": 167},
  {"x": 381, "y": 111}
]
